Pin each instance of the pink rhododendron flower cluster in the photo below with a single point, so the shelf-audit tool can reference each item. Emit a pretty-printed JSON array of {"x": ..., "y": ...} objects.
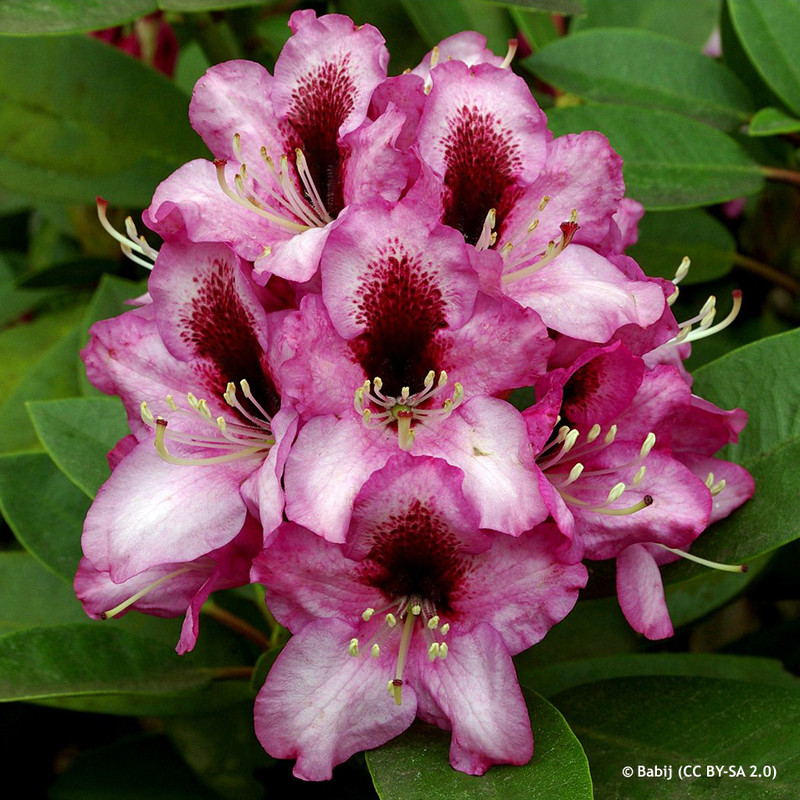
[{"x": 318, "y": 383}]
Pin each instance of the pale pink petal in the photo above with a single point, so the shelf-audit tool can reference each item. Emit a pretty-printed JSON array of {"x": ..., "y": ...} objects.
[
  {"x": 475, "y": 688},
  {"x": 739, "y": 483},
  {"x": 320, "y": 705}
]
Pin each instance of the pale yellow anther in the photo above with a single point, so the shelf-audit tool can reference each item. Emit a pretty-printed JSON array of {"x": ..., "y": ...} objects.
[
  {"x": 433, "y": 651},
  {"x": 637, "y": 478},
  {"x": 611, "y": 435},
  {"x": 222, "y": 425},
  {"x": 416, "y": 609},
  {"x": 391, "y": 620},
  {"x": 433, "y": 622},
  {"x": 647, "y": 445},
  {"x": 375, "y": 651},
  {"x": 594, "y": 432},
  {"x": 367, "y": 614},
  {"x": 543, "y": 202},
  {"x": 570, "y": 439},
  {"x": 443, "y": 650},
  {"x": 353, "y": 647},
  {"x": 616, "y": 492},
  {"x": 444, "y": 629},
  {"x": 147, "y": 414},
  {"x": 710, "y": 480},
  {"x": 173, "y": 406},
  {"x": 718, "y": 487}
]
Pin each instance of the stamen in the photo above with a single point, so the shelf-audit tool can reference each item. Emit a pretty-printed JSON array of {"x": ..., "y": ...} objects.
[
  {"x": 433, "y": 622},
  {"x": 375, "y": 650},
  {"x": 553, "y": 250},
  {"x": 353, "y": 647},
  {"x": 512, "y": 49},
  {"x": 594, "y": 432},
  {"x": 402, "y": 655},
  {"x": 391, "y": 620},
  {"x": 487, "y": 237},
  {"x": 704, "y": 561},
  {"x": 705, "y": 330},
  {"x": 367, "y": 614},
  {"x": 128, "y": 244},
  {"x": 142, "y": 592}
]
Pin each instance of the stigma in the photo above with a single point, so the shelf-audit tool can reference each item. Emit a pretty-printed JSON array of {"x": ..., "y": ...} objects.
[
  {"x": 405, "y": 409},
  {"x": 227, "y": 440},
  {"x": 408, "y": 617}
]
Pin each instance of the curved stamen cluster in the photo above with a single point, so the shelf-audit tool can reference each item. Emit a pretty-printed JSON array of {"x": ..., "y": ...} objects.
[
  {"x": 564, "y": 449},
  {"x": 704, "y": 320},
  {"x": 405, "y": 408},
  {"x": 240, "y": 440},
  {"x": 125, "y": 604},
  {"x": 282, "y": 203},
  {"x": 133, "y": 243},
  {"x": 413, "y": 613}
]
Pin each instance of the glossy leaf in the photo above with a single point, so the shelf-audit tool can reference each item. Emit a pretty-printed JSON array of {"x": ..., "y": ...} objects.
[
  {"x": 462, "y": 15},
  {"x": 644, "y": 69},
  {"x": 673, "y": 721},
  {"x": 691, "y": 21},
  {"x": 565, "y": 8},
  {"x": 130, "y": 770},
  {"x": 670, "y": 161},
  {"x": 416, "y": 765},
  {"x": 68, "y": 660},
  {"x": 74, "y": 133},
  {"x": 33, "y": 596},
  {"x": 769, "y": 448},
  {"x": 210, "y": 5},
  {"x": 44, "y": 509},
  {"x": 772, "y": 122},
  {"x": 769, "y": 33},
  {"x": 34, "y": 17},
  {"x": 666, "y": 237},
  {"x": 550, "y": 679},
  {"x": 538, "y": 29},
  {"x": 77, "y": 433}
]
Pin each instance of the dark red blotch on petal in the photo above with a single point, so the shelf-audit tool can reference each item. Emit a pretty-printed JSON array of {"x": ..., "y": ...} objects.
[
  {"x": 402, "y": 307},
  {"x": 321, "y": 101},
  {"x": 223, "y": 331},
  {"x": 481, "y": 156},
  {"x": 415, "y": 554}
]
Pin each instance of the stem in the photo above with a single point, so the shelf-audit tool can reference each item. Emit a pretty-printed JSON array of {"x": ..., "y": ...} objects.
[
  {"x": 785, "y": 175},
  {"x": 231, "y": 673},
  {"x": 236, "y": 624},
  {"x": 767, "y": 272}
]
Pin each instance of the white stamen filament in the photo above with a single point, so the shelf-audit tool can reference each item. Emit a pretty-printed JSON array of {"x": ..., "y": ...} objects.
[
  {"x": 404, "y": 410},
  {"x": 554, "y": 248},
  {"x": 510, "y": 53},
  {"x": 142, "y": 592},
  {"x": 704, "y": 561},
  {"x": 130, "y": 244}
]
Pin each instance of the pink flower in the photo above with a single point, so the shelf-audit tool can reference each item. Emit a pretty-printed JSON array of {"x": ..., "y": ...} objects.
[
  {"x": 182, "y": 489},
  {"x": 418, "y": 600},
  {"x": 292, "y": 150}
]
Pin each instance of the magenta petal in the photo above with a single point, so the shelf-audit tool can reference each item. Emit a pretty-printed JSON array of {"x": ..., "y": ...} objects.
[
  {"x": 320, "y": 705},
  {"x": 641, "y": 593},
  {"x": 476, "y": 690},
  {"x": 739, "y": 483}
]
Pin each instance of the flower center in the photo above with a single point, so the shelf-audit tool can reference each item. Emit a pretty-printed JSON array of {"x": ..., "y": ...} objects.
[
  {"x": 231, "y": 440},
  {"x": 405, "y": 408}
]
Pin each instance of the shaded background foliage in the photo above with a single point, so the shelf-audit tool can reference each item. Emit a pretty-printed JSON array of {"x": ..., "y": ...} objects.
[{"x": 710, "y": 141}]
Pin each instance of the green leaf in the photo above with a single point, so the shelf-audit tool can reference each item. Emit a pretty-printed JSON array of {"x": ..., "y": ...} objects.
[
  {"x": 670, "y": 161},
  {"x": 666, "y": 237},
  {"x": 538, "y": 29},
  {"x": 69, "y": 660},
  {"x": 769, "y": 33},
  {"x": 66, "y": 16},
  {"x": 766, "y": 384},
  {"x": 769, "y": 448},
  {"x": 550, "y": 679},
  {"x": 77, "y": 433},
  {"x": 130, "y": 770},
  {"x": 34, "y": 596},
  {"x": 39, "y": 365},
  {"x": 416, "y": 765},
  {"x": 107, "y": 125},
  {"x": 210, "y": 5},
  {"x": 691, "y": 21},
  {"x": 433, "y": 23},
  {"x": 644, "y": 69},
  {"x": 44, "y": 510},
  {"x": 772, "y": 122},
  {"x": 671, "y": 721},
  {"x": 566, "y": 8}
]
